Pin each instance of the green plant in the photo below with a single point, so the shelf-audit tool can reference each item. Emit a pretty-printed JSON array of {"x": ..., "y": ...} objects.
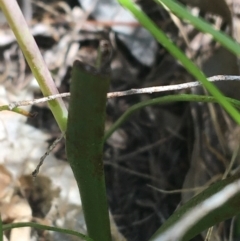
[
  {"x": 178, "y": 54},
  {"x": 84, "y": 144},
  {"x": 84, "y": 131}
]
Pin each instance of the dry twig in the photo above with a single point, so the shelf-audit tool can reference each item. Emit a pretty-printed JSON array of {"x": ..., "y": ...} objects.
[{"x": 148, "y": 90}]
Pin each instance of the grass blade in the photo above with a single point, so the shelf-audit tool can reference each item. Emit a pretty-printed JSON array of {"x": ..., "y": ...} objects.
[
  {"x": 45, "y": 227},
  {"x": 1, "y": 228},
  {"x": 179, "y": 55},
  {"x": 179, "y": 10},
  {"x": 164, "y": 100},
  {"x": 224, "y": 211}
]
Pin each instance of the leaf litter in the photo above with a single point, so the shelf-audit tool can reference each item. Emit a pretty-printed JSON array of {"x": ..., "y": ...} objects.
[{"x": 157, "y": 147}]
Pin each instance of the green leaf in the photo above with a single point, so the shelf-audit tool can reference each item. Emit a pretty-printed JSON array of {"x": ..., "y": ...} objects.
[
  {"x": 45, "y": 227},
  {"x": 1, "y": 228},
  {"x": 179, "y": 10},
  {"x": 84, "y": 144},
  {"x": 221, "y": 213},
  {"x": 160, "y": 101}
]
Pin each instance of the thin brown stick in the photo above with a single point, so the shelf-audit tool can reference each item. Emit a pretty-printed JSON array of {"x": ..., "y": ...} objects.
[{"x": 36, "y": 171}]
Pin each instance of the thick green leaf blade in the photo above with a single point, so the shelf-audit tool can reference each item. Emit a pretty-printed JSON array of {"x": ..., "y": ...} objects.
[
  {"x": 84, "y": 145},
  {"x": 225, "y": 211}
]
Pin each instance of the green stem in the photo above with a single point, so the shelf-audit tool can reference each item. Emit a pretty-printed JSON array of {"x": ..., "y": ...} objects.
[
  {"x": 17, "y": 110},
  {"x": 163, "y": 100},
  {"x": 34, "y": 58},
  {"x": 45, "y": 227}
]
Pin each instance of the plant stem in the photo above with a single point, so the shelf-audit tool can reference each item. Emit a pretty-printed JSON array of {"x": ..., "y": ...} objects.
[{"x": 34, "y": 58}]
